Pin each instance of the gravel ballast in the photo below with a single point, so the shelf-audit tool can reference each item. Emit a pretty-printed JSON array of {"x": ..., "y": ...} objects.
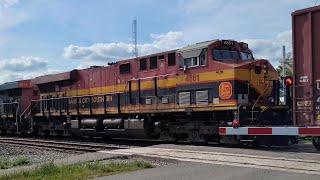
[
  {"x": 40, "y": 156},
  {"x": 33, "y": 154}
]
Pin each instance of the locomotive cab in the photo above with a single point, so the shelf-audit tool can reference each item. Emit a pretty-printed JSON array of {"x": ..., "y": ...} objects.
[
  {"x": 256, "y": 86},
  {"x": 232, "y": 80},
  {"x": 227, "y": 51}
]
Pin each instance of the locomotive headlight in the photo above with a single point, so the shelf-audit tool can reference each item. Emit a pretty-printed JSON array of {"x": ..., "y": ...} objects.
[
  {"x": 265, "y": 68},
  {"x": 270, "y": 100}
]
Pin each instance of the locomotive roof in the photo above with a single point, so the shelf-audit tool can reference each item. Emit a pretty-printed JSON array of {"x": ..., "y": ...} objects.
[
  {"x": 194, "y": 50},
  {"x": 15, "y": 85},
  {"x": 199, "y": 45},
  {"x": 185, "y": 51},
  {"x": 8, "y": 86}
]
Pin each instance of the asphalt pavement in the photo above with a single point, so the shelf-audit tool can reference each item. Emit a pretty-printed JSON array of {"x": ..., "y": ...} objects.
[
  {"x": 296, "y": 162},
  {"x": 203, "y": 171}
]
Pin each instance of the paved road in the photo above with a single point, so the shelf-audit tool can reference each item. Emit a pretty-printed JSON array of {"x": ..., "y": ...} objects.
[
  {"x": 214, "y": 162},
  {"x": 300, "y": 151},
  {"x": 202, "y": 171}
]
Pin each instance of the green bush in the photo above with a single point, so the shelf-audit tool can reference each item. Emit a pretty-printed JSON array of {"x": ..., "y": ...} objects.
[
  {"x": 6, "y": 163},
  {"x": 78, "y": 171}
]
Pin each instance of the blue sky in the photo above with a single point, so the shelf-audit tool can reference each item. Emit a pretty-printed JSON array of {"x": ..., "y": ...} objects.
[{"x": 47, "y": 36}]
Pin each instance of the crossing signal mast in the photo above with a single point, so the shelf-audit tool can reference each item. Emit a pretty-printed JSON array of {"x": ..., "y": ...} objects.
[{"x": 135, "y": 38}]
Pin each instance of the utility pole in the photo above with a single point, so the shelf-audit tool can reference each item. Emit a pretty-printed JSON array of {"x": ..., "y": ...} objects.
[
  {"x": 135, "y": 38},
  {"x": 283, "y": 71},
  {"x": 284, "y": 61}
]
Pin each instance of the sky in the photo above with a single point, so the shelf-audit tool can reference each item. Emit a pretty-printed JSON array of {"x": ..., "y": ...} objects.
[{"x": 40, "y": 37}]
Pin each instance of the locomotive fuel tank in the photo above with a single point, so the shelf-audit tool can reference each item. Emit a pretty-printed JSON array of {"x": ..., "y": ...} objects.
[
  {"x": 89, "y": 123},
  {"x": 113, "y": 123}
]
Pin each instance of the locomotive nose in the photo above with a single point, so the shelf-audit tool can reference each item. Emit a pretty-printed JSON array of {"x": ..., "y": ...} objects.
[{"x": 260, "y": 76}]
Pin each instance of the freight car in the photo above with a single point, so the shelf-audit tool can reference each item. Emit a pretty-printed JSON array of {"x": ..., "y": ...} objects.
[{"x": 184, "y": 94}]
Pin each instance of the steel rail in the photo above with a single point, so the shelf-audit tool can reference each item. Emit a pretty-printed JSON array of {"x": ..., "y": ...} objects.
[{"x": 61, "y": 145}]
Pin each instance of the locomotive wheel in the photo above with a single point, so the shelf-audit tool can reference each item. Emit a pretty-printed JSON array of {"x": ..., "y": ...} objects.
[
  {"x": 193, "y": 136},
  {"x": 3, "y": 132},
  {"x": 316, "y": 142}
]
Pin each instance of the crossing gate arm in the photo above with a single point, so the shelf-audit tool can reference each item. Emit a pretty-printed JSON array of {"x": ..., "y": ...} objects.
[{"x": 271, "y": 131}]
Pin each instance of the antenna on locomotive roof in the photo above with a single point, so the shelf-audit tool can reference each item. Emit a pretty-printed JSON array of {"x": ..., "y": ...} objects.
[{"x": 135, "y": 38}]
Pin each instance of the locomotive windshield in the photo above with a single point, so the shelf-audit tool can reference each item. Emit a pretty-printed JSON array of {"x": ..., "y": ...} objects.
[
  {"x": 231, "y": 55},
  {"x": 225, "y": 55},
  {"x": 246, "y": 56}
]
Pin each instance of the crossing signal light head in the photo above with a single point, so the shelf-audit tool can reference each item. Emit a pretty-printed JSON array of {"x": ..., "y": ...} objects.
[{"x": 288, "y": 81}]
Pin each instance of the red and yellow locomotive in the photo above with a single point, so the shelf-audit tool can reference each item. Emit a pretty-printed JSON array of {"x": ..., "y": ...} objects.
[{"x": 183, "y": 94}]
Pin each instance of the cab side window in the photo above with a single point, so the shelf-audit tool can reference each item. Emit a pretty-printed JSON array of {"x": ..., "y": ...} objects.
[
  {"x": 143, "y": 64},
  {"x": 195, "y": 58},
  {"x": 203, "y": 57},
  {"x": 171, "y": 59},
  {"x": 125, "y": 68},
  {"x": 154, "y": 62}
]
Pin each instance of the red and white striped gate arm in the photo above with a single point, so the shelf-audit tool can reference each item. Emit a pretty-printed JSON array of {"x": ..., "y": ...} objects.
[{"x": 281, "y": 131}]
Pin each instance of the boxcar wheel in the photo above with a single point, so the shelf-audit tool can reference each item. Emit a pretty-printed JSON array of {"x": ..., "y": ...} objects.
[{"x": 316, "y": 142}]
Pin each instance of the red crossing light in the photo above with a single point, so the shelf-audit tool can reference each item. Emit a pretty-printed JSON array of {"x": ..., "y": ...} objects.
[{"x": 288, "y": 81}]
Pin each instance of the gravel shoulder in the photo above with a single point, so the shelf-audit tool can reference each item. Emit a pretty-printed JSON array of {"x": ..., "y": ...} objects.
[
  {"x": 40, "y": 156},
  {"x": 34, "y": 155}
]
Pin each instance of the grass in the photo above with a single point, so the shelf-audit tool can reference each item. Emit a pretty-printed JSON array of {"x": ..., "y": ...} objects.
[
  {"x": 78, "y": 171},
  {"x": 6, "y": 163},
  {"x": 305, "y": 139}
]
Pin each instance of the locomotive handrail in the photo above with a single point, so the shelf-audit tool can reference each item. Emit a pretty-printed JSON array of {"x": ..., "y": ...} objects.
[
  {"x": 8, "y": 103},
  {"x": 238, "y": 109},
  {"x": 25, "y": 111},
  {"x": 255, "y": 103},
  {"x": 16, "y": 113},
  {"x": 151, "y": 77},
  {"x": 11, "y": 103},
  {"x": 303, "y": 97},
  {"x": 68, "y": 97}
]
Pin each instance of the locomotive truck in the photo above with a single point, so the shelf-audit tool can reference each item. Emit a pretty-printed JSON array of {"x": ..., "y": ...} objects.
[{"x": 209, "y": 91}]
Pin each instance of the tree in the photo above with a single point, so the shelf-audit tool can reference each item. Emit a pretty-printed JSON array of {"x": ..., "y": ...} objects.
[{"x": 288, "y": 63}]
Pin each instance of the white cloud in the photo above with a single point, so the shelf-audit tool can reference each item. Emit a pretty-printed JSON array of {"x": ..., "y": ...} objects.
[
  {"x": 212, "y": 19},
  {"x": 7, "y": 3},
  {"x": 101, "y": 53},
  {"x": 200, "y": 6},
  {"x": 271, "y": 49},
  {"x": 23, "y": 64},
  {"x": 22, "y": 68},
  {"x": 170, "y": 40},
  {"x": 9, "y": 17}
]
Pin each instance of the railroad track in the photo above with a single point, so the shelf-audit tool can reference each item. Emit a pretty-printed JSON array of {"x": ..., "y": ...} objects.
[{"x": 60, "y": 145}]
